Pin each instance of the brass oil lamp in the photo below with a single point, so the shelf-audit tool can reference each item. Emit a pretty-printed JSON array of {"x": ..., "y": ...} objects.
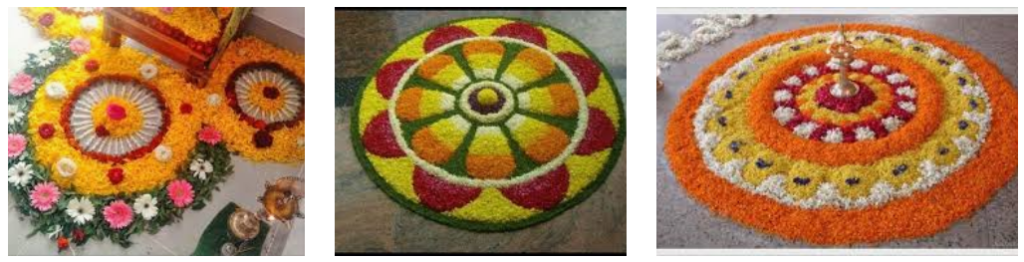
[{"x": 842, "y": 50}]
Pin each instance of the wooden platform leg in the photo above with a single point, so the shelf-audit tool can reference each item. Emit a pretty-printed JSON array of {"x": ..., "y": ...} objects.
[{"x": 112, "y": 37}]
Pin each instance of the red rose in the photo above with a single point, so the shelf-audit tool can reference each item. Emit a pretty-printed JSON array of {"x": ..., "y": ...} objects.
[
  {"x": 62, "y": 243},
  {"x": 102, "y": 131},
  {"x": 116, "y": 112},
  {"x": 263, "y": 139},
  {"x": 79, "y": 235},
  {"x": 46, "y": 131},
  {"x": 115, "y": 175},
  {"x": 46, "y": 19},
  {"x": 92, "y": 65}
]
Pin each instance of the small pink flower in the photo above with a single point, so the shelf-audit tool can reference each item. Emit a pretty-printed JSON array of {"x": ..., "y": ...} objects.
[
  {"x": 118, "y": 214},
  {"x": 180, "y": 192},
  {"x": 21, "y": 84},
  {"x": 15, "y": 145},
  {"x": 46, "y": 19},
  {"x": 44, "y": 196},
  {"x": 167, "y": 10},
  {"x": 210, "y": 135},
  {"x": 80, "y": 46}
]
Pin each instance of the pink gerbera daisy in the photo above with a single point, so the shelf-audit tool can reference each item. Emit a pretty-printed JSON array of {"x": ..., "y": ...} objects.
[
  {"x": 44, "y": 196},
  {"x": 118, "y": 214},
  {"x": 180, "y": 192},
  {"x": 80, "y": 46},
  {"x": 209, "y": 135},
  {"x": 21, "y": 84},
  {"x": 15, "y": 145}
]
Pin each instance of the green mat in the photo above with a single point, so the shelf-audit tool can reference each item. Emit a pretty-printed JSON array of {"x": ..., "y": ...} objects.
[{"x": 217, "y": 233}]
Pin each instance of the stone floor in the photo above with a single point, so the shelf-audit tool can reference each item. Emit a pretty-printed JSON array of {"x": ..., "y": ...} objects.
[
  {"x": 177, "y": 239},
  {"x": 366, "y": 220},
  {"x": 683, "y": 223}
]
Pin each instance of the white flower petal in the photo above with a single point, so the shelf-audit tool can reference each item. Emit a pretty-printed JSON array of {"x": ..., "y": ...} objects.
[{"x": 56, "y": 90}]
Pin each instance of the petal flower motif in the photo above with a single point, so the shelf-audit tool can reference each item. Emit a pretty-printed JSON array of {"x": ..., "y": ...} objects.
[
  {"x": 439, "y": 195},
  {"x": 540, "y": 141},
  {"x": 543, "y": 192},
  {"x": 490, "y": 156},
  {"x": 444, "y": 35},
  {"x": 437, "y": 142}
]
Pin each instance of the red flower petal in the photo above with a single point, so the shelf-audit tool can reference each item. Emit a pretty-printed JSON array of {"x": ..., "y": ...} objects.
[
  {"x": 116, "y": 112},
  {"x": 586, "y": 71},
  {"x": 46, "y": 131},
  {"x": 115, "y": 175},
  {"x": 379, "y": 139},
  {"x": 186, "y": 108},
  {"x": 444, "y": 35},
  {"x": 440, "y": 195},
  {"x": 390, "y": 74},
  {"x": 543, "y": 192},
  {"x": 92, "y": 65},
  {"x": 600, "y": 133},
  {"x": 523, "y": 31},
  {"x": 263, "y": 139}
]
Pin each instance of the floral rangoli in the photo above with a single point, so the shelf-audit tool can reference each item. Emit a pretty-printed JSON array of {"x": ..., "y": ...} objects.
[
  {"x": 107, "y": 143},
  {"x": 761, "y": 138},
  {"x": 263, "y": 105},
  {"x": 489, "y": 124}
]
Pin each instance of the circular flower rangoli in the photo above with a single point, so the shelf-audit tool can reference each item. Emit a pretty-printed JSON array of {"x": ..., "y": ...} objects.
[
  {"x": 489, "y": 124},
  {"x": 762, "y": 136},
  {"x": 108, "y": 144},
  {"x": 260, "y": 90}
]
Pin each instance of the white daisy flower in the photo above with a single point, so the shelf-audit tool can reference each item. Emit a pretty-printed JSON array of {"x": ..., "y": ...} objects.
[
  {"x": 908, "y": 106},
  {"x": 145, "y": 206},
  {"x": 907, "y": 91},
  {"x": 858, "y": 64},
  {"x": 878, "y": 69},
  {"x": 833, "y": 64},
  {"x": 89, "y": 23},
  {"x": 833, "y": 136},
  {"x": 213, "y": 100},
  {"x": 864, "y": 133},
  {"x": 793, "y": 81},
  {"x": 81, "y": 210},
  {"x": 804, "y": 130},
  {"x": 148, "y": 71},
  {"x": 56, "y": 90},
  {"x": 892, "y": 123},
  {"x": 783, "y": 95},
  {"x": 200, "y": 168},
  {"x": 66, "y": 167},
  {"x": 14, "y": 115},
  {"x": 163, "y": 153},
  {"x": 811, "y": 71},
  {"x": 784, "y": 114},
  {"x": 20, "y": 174},
  {"x": 896, "y": 78},
  {"x": 45, "y": 58}
]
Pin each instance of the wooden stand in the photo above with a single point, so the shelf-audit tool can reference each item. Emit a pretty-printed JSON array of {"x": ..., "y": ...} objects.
[{"x": 118, "y": 24}]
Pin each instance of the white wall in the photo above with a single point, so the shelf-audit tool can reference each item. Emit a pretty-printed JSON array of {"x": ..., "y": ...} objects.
[{"x": 292, "y": 19}]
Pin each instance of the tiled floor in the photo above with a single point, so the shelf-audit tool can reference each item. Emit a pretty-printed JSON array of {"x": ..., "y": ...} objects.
[
  {"x": 242, "y": 188},
  {"x": 368, "y": 221},
  {"x": 683, "y": 223}
]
